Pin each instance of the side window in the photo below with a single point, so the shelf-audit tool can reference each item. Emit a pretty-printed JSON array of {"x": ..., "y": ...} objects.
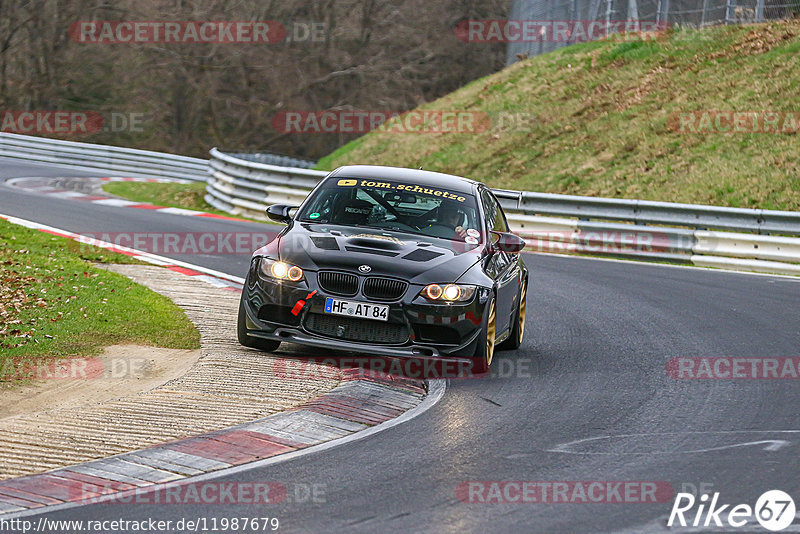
[
  {"x": 500, "y": 223},
  {"x": 495, "y": 218},
  {"x": 489, "y": 211}
]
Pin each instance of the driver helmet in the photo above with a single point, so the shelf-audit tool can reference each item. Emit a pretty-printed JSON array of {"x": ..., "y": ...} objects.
[{"x": 450, "y": 214}]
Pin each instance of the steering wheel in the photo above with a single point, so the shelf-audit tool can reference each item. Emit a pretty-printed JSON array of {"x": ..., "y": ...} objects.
[
  {"x": 447, "y": 231},
  {"x": 397, "y": 224}
]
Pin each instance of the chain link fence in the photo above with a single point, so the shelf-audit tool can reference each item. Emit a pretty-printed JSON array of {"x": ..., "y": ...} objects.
[{"x": 650, "y": 13}]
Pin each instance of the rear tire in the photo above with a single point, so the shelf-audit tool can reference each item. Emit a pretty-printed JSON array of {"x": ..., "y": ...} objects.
[
  {"x": 266, "y": 345},
  {"x": 518, "y": 328},
  {"x": 484, "y": 352}
]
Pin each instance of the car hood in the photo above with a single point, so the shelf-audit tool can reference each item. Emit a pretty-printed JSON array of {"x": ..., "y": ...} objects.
[{"x": 418, "y": 259}]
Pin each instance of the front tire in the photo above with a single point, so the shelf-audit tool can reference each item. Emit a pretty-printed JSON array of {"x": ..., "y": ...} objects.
[
  {"x": 518, "y": 328},
  {"x": 266, "y": 345},
  {"x": 484, "y": 352}
]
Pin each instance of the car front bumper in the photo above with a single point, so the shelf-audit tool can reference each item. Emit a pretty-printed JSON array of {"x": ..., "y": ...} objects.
[{"x": 415, "y": 329}]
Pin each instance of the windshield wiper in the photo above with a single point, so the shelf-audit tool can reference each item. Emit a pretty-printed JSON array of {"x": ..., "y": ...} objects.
[{"x": 388, "y": 228}]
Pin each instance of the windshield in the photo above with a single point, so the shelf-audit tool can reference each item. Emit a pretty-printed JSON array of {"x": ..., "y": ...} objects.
[{"x": 392, "y": 205}]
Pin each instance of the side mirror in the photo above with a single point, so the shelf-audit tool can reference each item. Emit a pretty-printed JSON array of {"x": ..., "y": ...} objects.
[
  {"x": 280, "y": 213},
  {"x": 508, "y": 242}
]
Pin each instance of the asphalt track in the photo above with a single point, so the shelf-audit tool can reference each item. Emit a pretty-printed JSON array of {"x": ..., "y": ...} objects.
[{"x": 593, "y": 365}]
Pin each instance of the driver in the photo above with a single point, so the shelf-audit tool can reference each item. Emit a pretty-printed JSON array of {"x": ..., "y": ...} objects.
[{"x": 451, "y": 216}]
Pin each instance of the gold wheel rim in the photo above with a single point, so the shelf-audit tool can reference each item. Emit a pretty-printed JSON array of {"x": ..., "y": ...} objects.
[
  {"x": 523, "y": 302},
  {"x": 491, "y": 331}
]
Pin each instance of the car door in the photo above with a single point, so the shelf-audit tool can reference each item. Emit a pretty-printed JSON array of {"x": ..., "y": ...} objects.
[{"x": 501, "y": 266}]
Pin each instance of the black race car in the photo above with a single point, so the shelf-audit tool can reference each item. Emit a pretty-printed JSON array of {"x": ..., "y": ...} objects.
[{"x": 390, "y": 262}]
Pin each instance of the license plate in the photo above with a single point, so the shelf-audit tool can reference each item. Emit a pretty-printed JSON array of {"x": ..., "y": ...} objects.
[{"x": 364, "y": 310}]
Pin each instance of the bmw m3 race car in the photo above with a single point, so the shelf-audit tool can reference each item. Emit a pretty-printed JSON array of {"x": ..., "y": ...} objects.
[{"x": 391, "y": 262}]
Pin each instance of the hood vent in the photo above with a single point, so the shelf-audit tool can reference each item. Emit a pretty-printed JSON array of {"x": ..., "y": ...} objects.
[
  {"x": 325, "y": 243},
  {"x": 372, "y": 242},
  {"x": 371, "y": 251},
  {"x": 421, "y": 255}
]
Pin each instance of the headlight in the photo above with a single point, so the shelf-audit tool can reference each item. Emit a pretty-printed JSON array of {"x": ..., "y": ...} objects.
[
  {"x": 281, "y": 270},
  {"x": 447, "y": 293}
]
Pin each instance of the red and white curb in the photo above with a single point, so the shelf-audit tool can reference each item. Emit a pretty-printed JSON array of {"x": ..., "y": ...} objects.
[
  {"x": 44, "y": 186},
  {"x": 360, "y": 406},
  {"x": 210, "y": 276},
  {"x": 363, "y": 404}
]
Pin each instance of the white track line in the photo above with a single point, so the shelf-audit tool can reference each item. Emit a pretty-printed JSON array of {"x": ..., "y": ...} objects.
[
  {"x": 144, "y": 256},
  {"x": 436, "y": 390},
  {"x": 668, "y": 265}
]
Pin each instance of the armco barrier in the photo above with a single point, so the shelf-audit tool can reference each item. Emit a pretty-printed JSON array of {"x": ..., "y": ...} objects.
[
  {"x": 662, "y": 213},
  {"x": 246, "y": 188},
  {"x": 714, "y": 236},
  {"x": 101, "y": 158}
]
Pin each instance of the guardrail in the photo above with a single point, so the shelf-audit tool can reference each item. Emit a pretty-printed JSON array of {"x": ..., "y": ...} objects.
[
  {"x": 639, "y": 229},
  {"x": 102, "y": 158},
  {"x": 245, "y": 187}
]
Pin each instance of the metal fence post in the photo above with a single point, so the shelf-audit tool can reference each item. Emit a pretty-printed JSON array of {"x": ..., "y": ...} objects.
[
  {"x": 633, "y": 11},
  {"x": 704, "y": 15},
  {"x": 573, "y": 16},
  {"x": 760, "y": 11},
  {"x": 594, "y": 10},
  {"x": 730, "y": 12}
]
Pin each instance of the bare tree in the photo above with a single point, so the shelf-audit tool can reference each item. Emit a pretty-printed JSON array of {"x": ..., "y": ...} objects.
[{"x": 366, "y": 54}]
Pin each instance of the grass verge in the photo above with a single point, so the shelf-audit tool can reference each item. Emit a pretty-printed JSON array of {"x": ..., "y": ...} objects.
[
  {"x": 55, "y": 303},
  {"x": 171, "y": 195},
  {"x": 599, "y": 119}
]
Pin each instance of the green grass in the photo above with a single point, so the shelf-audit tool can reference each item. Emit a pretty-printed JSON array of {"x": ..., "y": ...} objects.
[
  {"x": 172, "y": 195},
  {"x": 55, "y": 303},
  {"x": 596, "y": 121}
]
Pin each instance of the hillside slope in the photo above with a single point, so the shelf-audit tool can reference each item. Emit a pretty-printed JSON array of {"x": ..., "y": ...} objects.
[{"x": 606, "y": 121}]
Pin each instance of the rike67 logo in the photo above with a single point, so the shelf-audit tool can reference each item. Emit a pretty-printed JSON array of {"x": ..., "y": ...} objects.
[{"x": 774, "y": 510}]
